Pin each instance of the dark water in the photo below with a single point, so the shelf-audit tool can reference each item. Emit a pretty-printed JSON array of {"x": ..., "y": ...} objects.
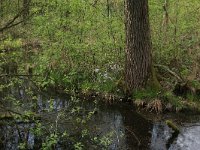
[{"x": 129, "y": 128}]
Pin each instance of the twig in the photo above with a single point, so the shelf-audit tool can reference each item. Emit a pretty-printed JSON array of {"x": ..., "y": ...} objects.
[{"x": 139, "y": 143}]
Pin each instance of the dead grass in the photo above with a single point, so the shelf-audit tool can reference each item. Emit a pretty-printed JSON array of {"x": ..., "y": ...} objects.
[{"x": 155, "y": 106}]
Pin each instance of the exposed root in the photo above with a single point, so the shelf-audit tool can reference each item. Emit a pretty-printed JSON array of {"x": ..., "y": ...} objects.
[{"x": 139, "y": 103}]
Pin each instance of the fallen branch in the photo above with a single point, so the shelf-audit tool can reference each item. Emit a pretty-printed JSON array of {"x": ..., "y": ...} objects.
[
  {"x": 174, "y": 135},
  {"x": 170, "y": 71}
]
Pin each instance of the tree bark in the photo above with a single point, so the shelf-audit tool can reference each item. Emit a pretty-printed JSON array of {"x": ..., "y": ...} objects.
[{"x": 138, "y": 61}]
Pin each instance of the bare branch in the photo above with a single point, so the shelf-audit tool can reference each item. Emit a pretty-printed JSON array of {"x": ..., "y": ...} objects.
[{"x": 9, "y": 23}]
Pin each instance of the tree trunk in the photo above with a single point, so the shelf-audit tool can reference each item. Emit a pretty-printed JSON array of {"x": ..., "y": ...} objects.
[
  {"x": 1, "y": 8},
  {"x": 26, "y": 7},
  {"x": 138, "y": 61}
]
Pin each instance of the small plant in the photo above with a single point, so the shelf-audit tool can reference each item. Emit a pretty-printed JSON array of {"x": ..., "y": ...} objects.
[
  {"x": 50, "y": 142},
  {"x": 78, "y": 146},
  {"x": 175, "y": 101}
]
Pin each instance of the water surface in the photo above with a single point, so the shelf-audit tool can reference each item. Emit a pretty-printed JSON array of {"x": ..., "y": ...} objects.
[{"x": 129, "y": 128}]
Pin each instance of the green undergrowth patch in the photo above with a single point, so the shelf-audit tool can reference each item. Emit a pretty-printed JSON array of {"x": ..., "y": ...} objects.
[
  {"x": 161, "y": 101},
  {"x": 146, "y": 94}
]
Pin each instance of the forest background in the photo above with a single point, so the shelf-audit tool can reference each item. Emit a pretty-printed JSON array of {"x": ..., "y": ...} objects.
[{"x": 78, "y": 46}]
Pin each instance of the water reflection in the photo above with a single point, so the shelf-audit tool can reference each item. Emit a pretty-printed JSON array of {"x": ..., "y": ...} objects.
[
  {"x": 160, "y": 135},
  {"x": 11, "y": 135},
  {"x": 128, "y": 128}
]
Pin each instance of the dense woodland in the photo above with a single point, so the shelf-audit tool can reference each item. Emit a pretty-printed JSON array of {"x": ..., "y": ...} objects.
[{"x": 146, "y": 53}]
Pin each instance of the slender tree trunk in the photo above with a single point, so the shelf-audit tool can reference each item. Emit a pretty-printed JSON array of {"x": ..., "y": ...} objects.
[
  {"x": 108, "y": 8},
  {"x": 138, "y": 45},
  {"x": 1, "y": 8},
  {"x": 165, "y": 22},
  {"x": 26, "y": 7}
]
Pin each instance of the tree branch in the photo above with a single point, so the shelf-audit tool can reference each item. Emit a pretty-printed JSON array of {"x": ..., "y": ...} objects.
[
  {"x": 18, "y": 75},
  {"x": 12, "y": 23},
  {"x": 9, "y": 23}
]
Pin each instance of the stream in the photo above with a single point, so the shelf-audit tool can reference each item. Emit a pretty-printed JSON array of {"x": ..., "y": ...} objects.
[{"x": 128, "y": 128}]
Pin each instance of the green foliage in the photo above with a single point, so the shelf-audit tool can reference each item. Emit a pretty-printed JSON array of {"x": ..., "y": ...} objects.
[
  {"x": 78, "y": 146},
  {"x": 22, "y": 146},
  {"x": 106, "y": 140},
  {"x": 81, "y": 48},
  {"x": 177, "y": 102},
  {"x": 10, "y": 43},
  {"x": 195, "y": 84},
  {"x": 50, "y": 142},
  {"x": 79, "y": 37},
  {"x": 180, "y": 33}
]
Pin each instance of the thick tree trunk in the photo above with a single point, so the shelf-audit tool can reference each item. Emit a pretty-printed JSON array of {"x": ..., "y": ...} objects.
[{"x": 138, "y": 45}]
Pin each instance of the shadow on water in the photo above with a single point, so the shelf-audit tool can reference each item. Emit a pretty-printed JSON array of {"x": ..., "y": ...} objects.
[
  {"x": 130, "y": 130},
  {"x": 124, "y": 120}
]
